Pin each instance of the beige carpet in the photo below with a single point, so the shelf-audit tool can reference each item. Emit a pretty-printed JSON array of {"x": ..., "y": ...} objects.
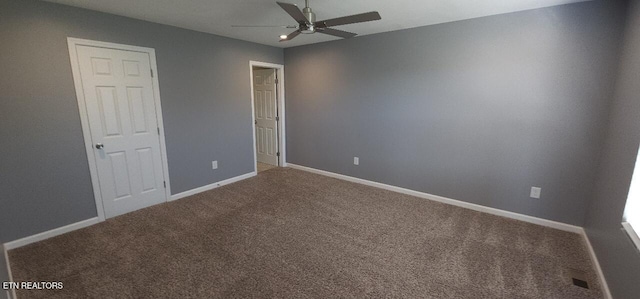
[
  {"x": 292, "y": 234},
  {"x": 264, "y": 166}
]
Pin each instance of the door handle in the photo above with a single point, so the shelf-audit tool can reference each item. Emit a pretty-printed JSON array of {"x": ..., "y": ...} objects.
[{"x": 99, "y": 145}]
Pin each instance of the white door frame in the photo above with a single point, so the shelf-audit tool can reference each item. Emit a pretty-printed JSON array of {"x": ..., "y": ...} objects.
[
  {"x": 84, "y": 118},
  {"x": 282, "y": 139}
]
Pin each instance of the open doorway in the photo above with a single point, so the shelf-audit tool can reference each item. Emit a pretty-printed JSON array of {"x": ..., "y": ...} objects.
[{"x": 267, "y": 102}]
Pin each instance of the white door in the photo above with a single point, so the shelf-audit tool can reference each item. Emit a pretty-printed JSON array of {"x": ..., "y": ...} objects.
[
  {"x": 118, "y": 91},
  {"x": 264, "y": 88}
]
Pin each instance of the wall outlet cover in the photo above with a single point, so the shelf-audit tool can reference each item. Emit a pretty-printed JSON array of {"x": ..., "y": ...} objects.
[
  {"x": 214, "y": 164},
  {"x": 356, "y": 161},
  {"x": 535, "y": 192}
]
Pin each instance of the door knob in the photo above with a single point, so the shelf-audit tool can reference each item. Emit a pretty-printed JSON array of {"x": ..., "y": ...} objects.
[{"x": 99, "y": 145}]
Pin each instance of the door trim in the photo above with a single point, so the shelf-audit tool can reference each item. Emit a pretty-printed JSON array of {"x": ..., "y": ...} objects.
[
  {"x": 282, "y": 138},
  {"x": 84, "y": 118}
]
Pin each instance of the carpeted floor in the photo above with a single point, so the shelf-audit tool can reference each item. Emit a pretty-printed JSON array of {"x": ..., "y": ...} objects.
[
  {"x": 291, "y": 234},
  {"x": 264, "y": 166}
]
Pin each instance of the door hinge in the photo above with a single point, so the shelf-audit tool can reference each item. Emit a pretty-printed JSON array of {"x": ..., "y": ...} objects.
[
  {"x": 165, "y": 183},
  {"x": 277, "y": 118},
  {"x": 151, "y": 73},
  {"x": 276, "y": 80},
  {"x": 278, "y": 154},
  {"x": 158, "y": 130}
]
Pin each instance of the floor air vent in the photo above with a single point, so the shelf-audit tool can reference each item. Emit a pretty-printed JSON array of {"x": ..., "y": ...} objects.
[
  {"x": 578, "y": 278},
  {"x": 581, "y": 283}
]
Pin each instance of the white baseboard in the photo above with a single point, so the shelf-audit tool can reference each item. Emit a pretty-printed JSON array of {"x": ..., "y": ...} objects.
[
  {"x": 11, "y": 294},
  {"x": 212, "y": 186},
  {"x": 594, "y": 259},
  {"x": 454, "y": 202},
  {"x": 50, "y": 234}
]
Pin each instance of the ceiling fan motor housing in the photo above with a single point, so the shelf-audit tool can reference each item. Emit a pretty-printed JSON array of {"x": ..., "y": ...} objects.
[{"x": 311, "y": 17}]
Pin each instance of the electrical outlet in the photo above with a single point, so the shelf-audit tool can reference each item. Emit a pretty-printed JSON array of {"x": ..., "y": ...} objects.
[
  {"x": 356, "y": 161},
  {"x": 535, "y": 192},
  {"x": 214, "y": 164}
]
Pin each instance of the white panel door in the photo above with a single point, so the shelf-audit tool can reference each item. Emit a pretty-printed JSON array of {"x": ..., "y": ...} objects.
[
  {"x": 264, "y": 88},
  {"x": 118, "y": 91}
]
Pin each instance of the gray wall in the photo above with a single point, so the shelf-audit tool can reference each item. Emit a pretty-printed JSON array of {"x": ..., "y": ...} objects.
[
  {"x": 477, "y": 110},
  {"x": 205, "y": 90},
  {"x": 618, "y": 257}
]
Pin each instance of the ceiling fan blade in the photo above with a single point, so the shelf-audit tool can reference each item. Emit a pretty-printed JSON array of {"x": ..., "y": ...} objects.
[
  {"x": 265, "y": 26},
  {"x": 359, "y": 18},
  {"x": 291, "y": 36},
  {"x": 336, "y": 32},
  {"x": 294, "y": 12}
]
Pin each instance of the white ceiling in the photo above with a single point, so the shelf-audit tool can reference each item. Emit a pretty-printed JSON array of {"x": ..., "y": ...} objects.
[{"x": 217, "y": 16}]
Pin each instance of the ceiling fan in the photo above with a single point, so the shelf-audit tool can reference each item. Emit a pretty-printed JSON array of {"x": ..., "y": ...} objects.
[{"x": 307, "y": 23}]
